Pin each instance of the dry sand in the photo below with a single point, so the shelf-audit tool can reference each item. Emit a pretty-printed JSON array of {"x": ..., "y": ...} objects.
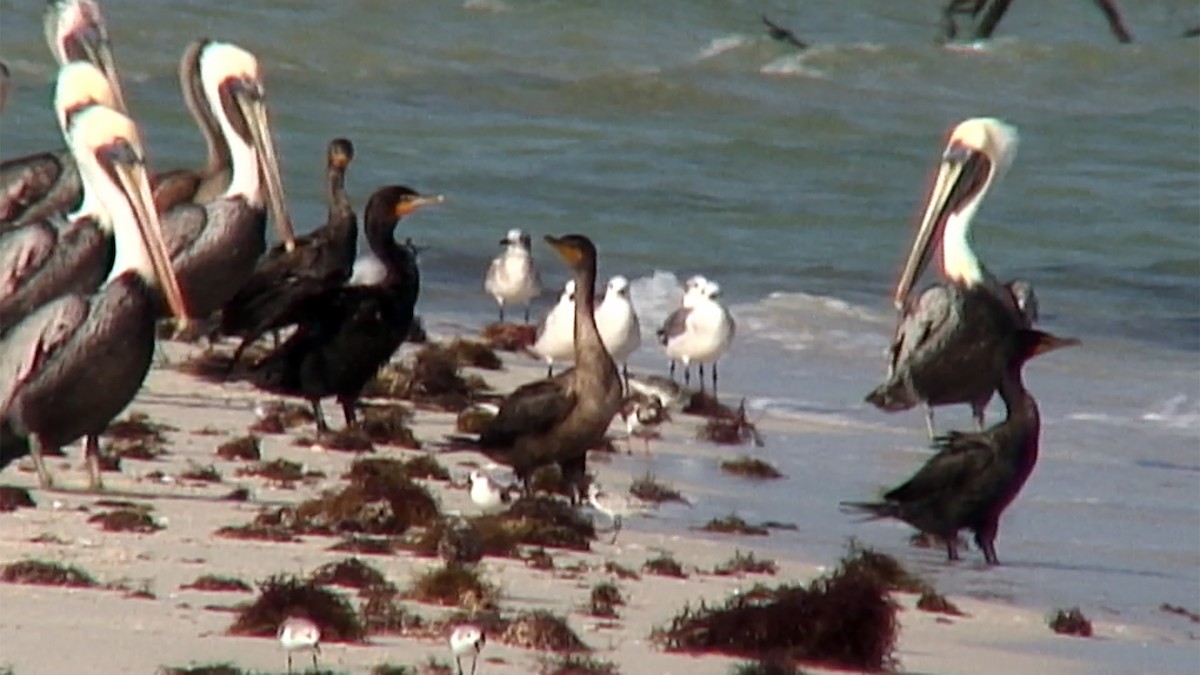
[{"x": 51, "y": 631}]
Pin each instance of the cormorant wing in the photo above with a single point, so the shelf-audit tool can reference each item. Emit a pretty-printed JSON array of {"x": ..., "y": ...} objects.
[
  {"x": 922, "y": 322},
  {"x": 532, "y": 408},
  {"x": 961, "y": 458},
  {"x": 36, "y": 340},
  {"x": 675, "y": 325},
  {"x": 23, "y": 250}
]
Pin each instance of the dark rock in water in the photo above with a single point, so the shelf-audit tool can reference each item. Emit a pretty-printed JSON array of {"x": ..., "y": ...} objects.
[{"x": 461, "y": 543}]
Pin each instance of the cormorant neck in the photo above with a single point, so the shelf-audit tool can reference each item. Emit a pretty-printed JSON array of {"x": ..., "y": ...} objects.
[
  {"x": 587, "y": 336},
  {"x": 1018, "y": 402},
  {"x": 379, "y": 226},
  {"x": 341, "y": 213}
]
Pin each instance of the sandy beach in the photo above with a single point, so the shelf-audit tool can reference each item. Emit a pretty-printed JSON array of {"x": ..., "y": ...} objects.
[{"x": 50, "y": 630}]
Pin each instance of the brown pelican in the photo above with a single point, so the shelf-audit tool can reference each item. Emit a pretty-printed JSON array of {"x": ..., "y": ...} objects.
[
  {"x": 557, "y": 420},
  {"x": 198, "y": 186},
  {"x": 46, "y": 183},
  {"x": 43, "y": 259},
  {"x": 946, "y": 339},
  {"x": 215, "y": 246},
  {"x": 975, "y": 475},
  {"x": 284, "y": 280},
  {"x": 71, "y": 366},
  {"x": 346, "y": 333}
]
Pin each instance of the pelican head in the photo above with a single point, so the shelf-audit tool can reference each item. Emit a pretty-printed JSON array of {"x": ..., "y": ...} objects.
[
  {"x": 79, "y": 85},
  {"x": 112, "y": 164},
  {"x": 75, "y": 31},
  {"x": 979, "y": 151},
  {"x": 234, "y": 90}
]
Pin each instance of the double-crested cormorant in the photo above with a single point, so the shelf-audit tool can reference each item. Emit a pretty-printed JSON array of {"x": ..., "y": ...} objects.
[
  {"x": 555, "y": 336},
  {"x": 43, "y": 184},
  {"x": 512, "y": 278},
  {"x": 557, "y": 420},
  {"x": 283, "y": 279},
  {"x": 975, "y": 475},
  {"x": 43, "y": 259},
  {"x": 944, "y": 350},
  {"x": 72, "y": 365},
  {"x": 215, "y": 246},
  {"x": 196, "y": 186},
  {"x": 701, "y": 330},
  {"x": 346, "y": 333},
  {"x": 618, "y": 323}
]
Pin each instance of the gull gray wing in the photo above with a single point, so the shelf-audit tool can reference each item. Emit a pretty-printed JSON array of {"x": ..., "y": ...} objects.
[{"x": 675, "y": 325}]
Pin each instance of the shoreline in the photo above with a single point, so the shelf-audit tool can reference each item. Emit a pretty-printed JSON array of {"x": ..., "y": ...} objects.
[{"x": 174, "y": 628}]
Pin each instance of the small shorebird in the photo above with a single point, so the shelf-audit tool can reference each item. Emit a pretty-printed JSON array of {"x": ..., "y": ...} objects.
[
  {"x": 512, "y": 277},
  {"x": 487, "y": 493},
  {"x": 701, "y": 332},
  {"x": 556, "y": 332},
  {"x": 615, "y": 506},
  {"x": 467, "y": 639},
  {"x": 642, "y": 414},
  {"x": 618, "y": 323},
  {"x": 668, "y": 392},
  {"x": 298, "y": 634}
]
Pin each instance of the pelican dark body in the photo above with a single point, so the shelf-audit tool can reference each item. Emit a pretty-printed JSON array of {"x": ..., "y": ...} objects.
[
  {"x": 348, "y": 332},
  {"x": 975, "y": 475}
]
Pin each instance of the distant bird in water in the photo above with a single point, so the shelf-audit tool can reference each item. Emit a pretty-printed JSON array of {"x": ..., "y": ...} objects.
[
  {"x": 642, "y": 414},
  {"x": 557, "y": 420},
  {"x": 467, "y": 639},
  {"x": 946, "y": 340},
  {"x": 37, "y": 186},
  {"x": 298, "y": 634},
  {"x": 782, "y": 34},
  {"x": 71, "y": 366},
  {"x": 346, "y": 333},
  {"x": 283, "y": 280},
  {"x": 512, "y": 278},
  {"x": 701, "y": 332},
  {"x": 618, "y": 323},
  {"x": 556, "y": 333},
  {"x": 486, "y": 493},
  {"x": 975, "y": 475},
  {"x": 42, "y": 259}
]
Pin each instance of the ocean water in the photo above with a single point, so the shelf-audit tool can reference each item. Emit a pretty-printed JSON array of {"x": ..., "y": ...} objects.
[{"x": 683, "y": 140}]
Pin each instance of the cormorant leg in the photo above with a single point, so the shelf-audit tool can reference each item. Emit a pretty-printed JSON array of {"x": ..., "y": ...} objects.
[
  {"x": 701, "y": 378},
  {"x": 91, "y": 455},
  {"x": 714, "y": 379},
  {"x": 320, "y": 416},
  {"x": 672, "y": 371},
  {"x": 348, "y": 412},
  {"x": 929, "y": 421},
  {"x": 550, "y": 370},
  {"x": 977, "y": 411},
  {"x": 35, "y": 449},
  {"x": 952, "y": 547}
]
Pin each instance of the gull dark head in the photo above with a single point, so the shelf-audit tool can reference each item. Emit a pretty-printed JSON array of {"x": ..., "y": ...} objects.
[
  {"x": 76, "y": 31},
  {"x": 340, "y": 153},
  {"x": 977, "y": 153}
]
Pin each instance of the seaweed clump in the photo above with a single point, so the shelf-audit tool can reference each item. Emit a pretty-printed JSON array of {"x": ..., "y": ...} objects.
[
  {"x": 350, "y": 573},
  {"x": 380, "y": 499},
  {"x": 127, "y": 519},
  {"x": 734, "y": 524},
  {"x": 843, "y": 620},
  {"x": 535, "y": 521},
  {"x": 42, "y": 573},
  {"x": 454, "y": 585},
  {"x": 137, "y": 437},
  {"x": 541, "y": 630},
  {"x": 1070, "y": 622},
  {"x": 201, "y": 474},
  {"x": 750, "y": 467},
  {"x": 432, "y": 381},
  {"x": 733, "y": 428},
  {"x": 767, "y": 666},
  {"x": 421, "y": 467},
  {"x": 384, "y": 613},
  {"x": 280, "y": 471},
  {"x": 243, "y": 448},
  {"x": 664, "y": 566},
  {"x": 469, "y": 353},
  {"x": 745, "y": 564},
  {"x": 203, "y": 669},
  {"x": 276, "y": 417},
  {"x": 283, "y": 596},
  {"x": 649, "y": 489},
  {"x": 13, "y": 498},
  {"x": 217, "y": 583},
  {"x": 510, "y": 337},
  {"x": 389, "y": 425},
  {"x": 605, "y": 599},
  {"x": 577, "y": 664}
]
